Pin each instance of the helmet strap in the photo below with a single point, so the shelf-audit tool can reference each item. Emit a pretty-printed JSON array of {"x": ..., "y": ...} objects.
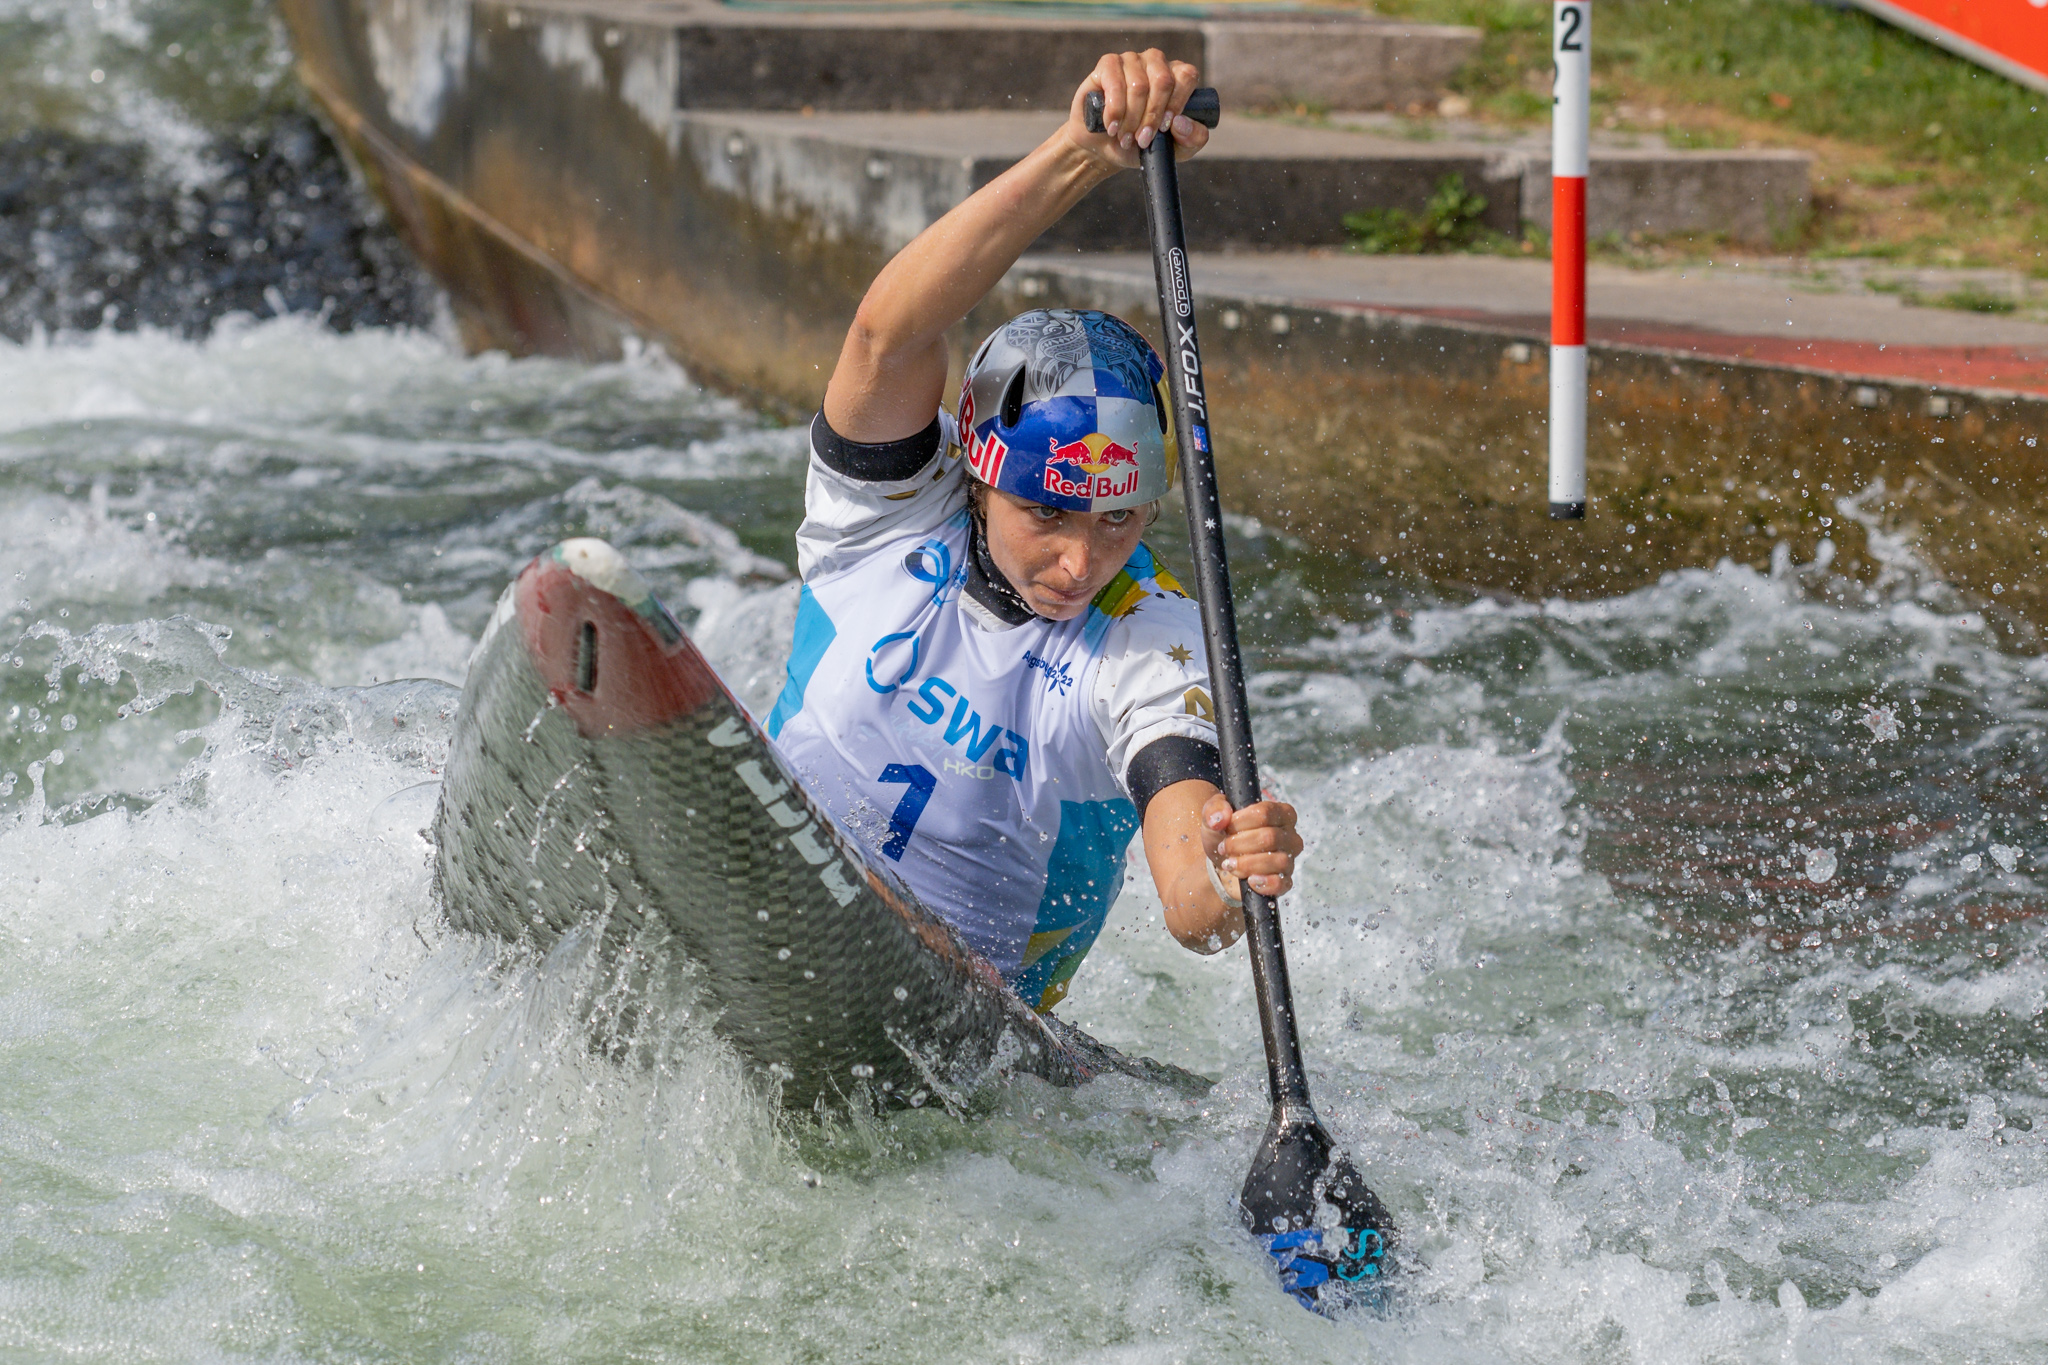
[{"x": 985, "y": 582}]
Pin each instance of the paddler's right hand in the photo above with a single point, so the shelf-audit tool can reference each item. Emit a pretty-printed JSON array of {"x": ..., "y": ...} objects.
[{"x": 1140, "y": 92}]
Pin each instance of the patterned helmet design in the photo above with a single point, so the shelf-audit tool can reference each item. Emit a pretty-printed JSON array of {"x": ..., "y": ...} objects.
[{"x": 1067, "y": 408}]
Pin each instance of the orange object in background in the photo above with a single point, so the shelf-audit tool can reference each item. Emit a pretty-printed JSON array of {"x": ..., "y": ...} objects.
[{"x": 2009, "y": 36}]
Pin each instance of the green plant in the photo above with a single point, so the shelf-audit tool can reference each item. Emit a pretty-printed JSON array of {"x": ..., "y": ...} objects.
[
  {"x": 1970, "y": 298},
  {"x": 1453, "y": 218},
  {"x": 1975, "y": 300}
]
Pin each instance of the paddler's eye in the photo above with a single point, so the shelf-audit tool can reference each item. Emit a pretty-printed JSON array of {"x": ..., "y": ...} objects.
[
  {"x": 1041, "y": 512},
  {"x": 1118, "y": 517}
]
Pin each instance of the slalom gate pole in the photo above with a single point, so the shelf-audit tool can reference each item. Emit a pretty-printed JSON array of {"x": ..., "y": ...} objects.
[
  {"x": 1570, "y": 42},
  {"x": 1298, "y": 1164}
]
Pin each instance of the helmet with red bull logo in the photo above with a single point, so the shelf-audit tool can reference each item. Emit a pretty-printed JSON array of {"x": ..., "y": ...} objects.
[{"x": 1067, "y": 408}]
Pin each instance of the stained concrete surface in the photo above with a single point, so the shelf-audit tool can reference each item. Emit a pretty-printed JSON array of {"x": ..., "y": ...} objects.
[
  {"x": 1259, "y": 184},
  {"x": 1730, "y": 299},
  {"x": 1637, "y": 182},
  {"x": 1262, "y": 184},
  {"x": 861, "y": 57},
  {"x": 531, "y": 160}
]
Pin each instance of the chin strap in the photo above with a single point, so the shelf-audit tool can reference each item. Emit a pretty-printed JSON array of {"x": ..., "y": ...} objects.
[{"x": 986, "y": 584}]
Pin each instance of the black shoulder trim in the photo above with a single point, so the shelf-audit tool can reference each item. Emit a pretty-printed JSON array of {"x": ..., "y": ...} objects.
[
  {"x": 1164, "y": 762},
  {"x": 888, "y": 462}
]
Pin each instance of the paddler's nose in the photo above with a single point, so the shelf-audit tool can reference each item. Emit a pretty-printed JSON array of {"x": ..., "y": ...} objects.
[{"x": 1076, "y": 557}]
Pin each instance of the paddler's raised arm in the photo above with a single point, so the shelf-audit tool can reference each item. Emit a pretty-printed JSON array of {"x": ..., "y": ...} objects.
[{"x": 891, "y": 373}]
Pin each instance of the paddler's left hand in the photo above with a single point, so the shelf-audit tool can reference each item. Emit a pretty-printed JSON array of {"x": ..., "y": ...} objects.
[{"x": 1257, "y": 844}]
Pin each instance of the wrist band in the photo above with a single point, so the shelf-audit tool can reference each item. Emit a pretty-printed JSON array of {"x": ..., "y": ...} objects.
[{"x": 1234, "y": 902}]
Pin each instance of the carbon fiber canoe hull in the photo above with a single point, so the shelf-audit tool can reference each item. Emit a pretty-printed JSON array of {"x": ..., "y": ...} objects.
[{"x": 600, "y": 767}]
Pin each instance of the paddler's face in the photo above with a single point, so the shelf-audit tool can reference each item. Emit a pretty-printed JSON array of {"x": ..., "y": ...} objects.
[{"x": 1056, "y": 559}]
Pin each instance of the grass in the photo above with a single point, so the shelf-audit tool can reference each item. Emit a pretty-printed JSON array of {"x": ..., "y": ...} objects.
[
  {"x": 1920, "y": 156},
  {"x": 1968, "y": 299},
  {"x": 1978, "y": 301},
  {"x": 1453, "y": 219}
]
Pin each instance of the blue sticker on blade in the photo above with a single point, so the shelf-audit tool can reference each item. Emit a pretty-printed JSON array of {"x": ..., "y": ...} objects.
[
  {"x": 1202, "y": 439},
  {"x": 1302, "y": 1273}
]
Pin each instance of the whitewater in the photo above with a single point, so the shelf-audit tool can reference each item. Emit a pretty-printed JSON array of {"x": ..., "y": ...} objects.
[{"x": 1671, "y": 963}]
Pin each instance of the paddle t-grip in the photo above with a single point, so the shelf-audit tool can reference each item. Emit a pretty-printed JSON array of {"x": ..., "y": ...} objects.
[{"x": 1203, "y": 107}]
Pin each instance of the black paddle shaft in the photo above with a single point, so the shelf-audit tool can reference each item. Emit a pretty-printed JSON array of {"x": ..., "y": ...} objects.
[
  {"x": 1298, "y": 1163},
  {"x": 1285, "y": 1080}
]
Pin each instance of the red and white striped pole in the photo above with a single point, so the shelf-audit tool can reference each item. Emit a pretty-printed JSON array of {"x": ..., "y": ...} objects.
[{"x": 1570, "y": 39}]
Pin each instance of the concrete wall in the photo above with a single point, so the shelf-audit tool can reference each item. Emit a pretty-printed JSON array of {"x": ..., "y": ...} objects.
[
  {"x": 868, "y": 178},
  {"x": 529, "y": 166},
  {"x": 1753, "y": 196},
  {"x": 1422, "y": 444},
  {"x": 850, "y": 60}
]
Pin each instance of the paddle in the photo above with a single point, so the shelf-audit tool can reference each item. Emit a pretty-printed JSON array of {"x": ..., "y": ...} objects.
[{"x": 1298, "y": 1165}]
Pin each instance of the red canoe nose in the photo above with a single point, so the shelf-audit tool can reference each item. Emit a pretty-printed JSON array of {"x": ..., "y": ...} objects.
[{"x": 602, "y": 661}]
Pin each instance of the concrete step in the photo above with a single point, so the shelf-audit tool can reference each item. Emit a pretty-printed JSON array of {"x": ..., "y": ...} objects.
[
  {"x": 1723, "y": 310},
  {"x": 1261, "y": 185},
  {"x": 1638, "y": 184},
  {"x": 856, "y": 58}
]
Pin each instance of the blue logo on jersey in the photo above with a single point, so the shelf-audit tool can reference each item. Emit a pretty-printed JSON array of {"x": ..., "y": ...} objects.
[
  {"x": 1056, "y": 679},
  {"x": 965, "y": 732},
  {"x": 881, "y": 647},
  {"x": 932, "y": 562}
]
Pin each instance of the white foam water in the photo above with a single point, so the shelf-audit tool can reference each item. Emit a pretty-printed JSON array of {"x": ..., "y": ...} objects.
[{"x": 1636, "y": 1084}]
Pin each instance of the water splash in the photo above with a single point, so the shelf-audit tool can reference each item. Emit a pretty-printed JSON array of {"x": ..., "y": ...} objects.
[{"x": 1570, "y": 989}]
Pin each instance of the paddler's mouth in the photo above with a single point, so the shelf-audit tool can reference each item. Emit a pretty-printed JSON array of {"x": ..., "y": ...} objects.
[{"x": 1058, "y": 604}]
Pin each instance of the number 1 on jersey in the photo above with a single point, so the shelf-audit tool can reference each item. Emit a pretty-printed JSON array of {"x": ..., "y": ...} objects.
[{"x": 901, "y": 824}]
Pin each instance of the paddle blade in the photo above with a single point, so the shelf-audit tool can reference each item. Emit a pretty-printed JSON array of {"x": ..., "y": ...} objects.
[{"x": 1297, "y": 1169}]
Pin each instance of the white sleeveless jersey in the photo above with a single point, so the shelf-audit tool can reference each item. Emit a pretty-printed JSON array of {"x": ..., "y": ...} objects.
[{"x": 985, "y": 760}]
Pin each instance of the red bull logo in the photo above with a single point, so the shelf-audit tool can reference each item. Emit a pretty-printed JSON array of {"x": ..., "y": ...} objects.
[
  {"x": 1095, "y": 453},
  {"x": 985, "y": 456},
  {"x": 1107, "y": 470}
]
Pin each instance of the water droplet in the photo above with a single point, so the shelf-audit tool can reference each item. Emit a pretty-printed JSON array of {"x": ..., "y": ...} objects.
[
  {"x": 2006, "y": 856},
  {"x": 1971, "y": 862},
  {"x": 1820, "y": 864},
  {"x": 69, "y": 723},
  {"x": 782, "y": 954},
  {"x": 902, "y": 994}
]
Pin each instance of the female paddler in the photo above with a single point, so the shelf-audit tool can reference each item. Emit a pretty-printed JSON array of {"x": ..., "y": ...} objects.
[{"x": 993, "y": 681}]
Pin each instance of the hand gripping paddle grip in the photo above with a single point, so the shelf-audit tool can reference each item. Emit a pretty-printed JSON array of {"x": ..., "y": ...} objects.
[{"x": 1203, "y": 107}]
